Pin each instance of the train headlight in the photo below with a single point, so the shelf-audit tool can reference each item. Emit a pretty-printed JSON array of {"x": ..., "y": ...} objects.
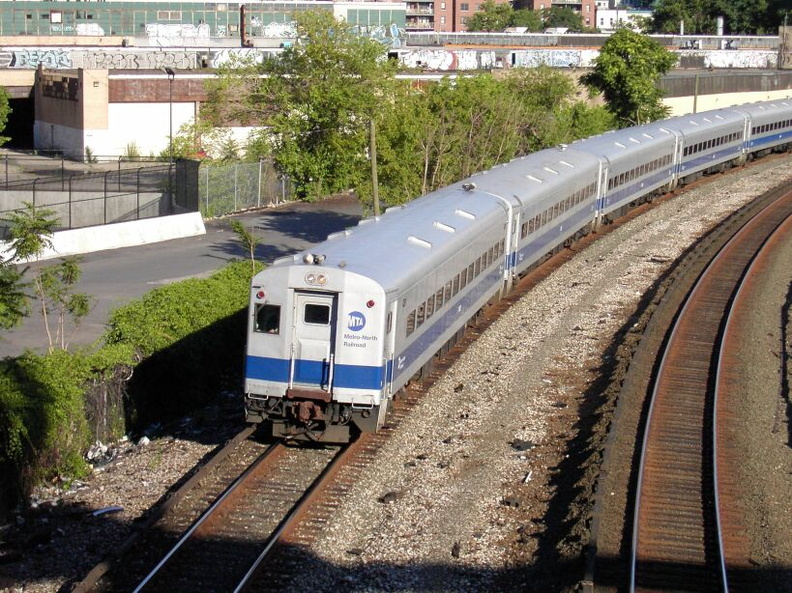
[
  {"x": 260, "y": 295},
  {"x": 315, "y": 279},
  {"x": 370, "y": 304}
]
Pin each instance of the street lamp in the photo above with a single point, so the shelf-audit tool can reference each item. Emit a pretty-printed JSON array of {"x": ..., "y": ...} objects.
[{"x": 171, "y": 75}]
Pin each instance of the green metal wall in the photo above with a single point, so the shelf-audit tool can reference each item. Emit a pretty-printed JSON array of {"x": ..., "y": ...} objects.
[{"x": 130, "y": 19}]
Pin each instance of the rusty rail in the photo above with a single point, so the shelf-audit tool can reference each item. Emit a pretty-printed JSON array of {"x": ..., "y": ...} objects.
[{"x": 678, "y": 534}]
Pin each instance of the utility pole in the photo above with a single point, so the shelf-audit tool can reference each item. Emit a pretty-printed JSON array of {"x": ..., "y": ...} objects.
[{"x": 373, "y": 155}]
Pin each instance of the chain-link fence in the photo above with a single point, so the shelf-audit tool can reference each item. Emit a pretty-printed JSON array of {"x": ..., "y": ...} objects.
[
  {"x": 233, "y": 187},
  {"x": 83, "y": 198}
]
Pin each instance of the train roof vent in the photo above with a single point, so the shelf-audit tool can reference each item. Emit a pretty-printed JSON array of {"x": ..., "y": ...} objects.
[
  {"x": 420, "y": 242},
  {"x": 444, "y": 227},
  {"x": 634, "y": 140},
  {"x": 549, "y": 170},
  {"x": 694, "y": 122},
  {"x": 464, "y": 214},
  {"x": 532, "y": 178},
  {"x": 620, "y": 145},
  {"x": 706, "y": 119},
  {"x": 645, "y": 135},
  {"x": 570, "y": 165}
]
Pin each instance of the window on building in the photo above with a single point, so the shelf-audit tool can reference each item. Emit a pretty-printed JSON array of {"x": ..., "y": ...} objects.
[
  {"x": 442, "y": 20},
  {"x": 442, "y": 6},
  {"x": 464, "y": 7}
]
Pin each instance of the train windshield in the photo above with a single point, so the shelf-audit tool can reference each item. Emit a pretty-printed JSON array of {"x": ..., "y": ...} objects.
[{"x": 268, "y": 319}]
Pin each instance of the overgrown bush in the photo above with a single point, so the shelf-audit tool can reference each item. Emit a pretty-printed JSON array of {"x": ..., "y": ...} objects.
[
  {"x": 44, "y": 429},
  {"x": 190, "y": 336}
]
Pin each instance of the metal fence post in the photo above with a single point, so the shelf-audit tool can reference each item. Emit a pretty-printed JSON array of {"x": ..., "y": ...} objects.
[
  {"x": 105, "y": 196},
  {"x": 258, "y": 193},
  {"x": 70, "y": 200},
  {"x": 137, "y": 193}
]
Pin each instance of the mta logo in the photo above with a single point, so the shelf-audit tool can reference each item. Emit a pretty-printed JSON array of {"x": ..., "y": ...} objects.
[{"x": 356, "y": 321}]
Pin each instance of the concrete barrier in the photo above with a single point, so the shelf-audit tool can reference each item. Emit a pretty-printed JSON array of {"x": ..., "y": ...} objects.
[{"x": 121, "y": 234}]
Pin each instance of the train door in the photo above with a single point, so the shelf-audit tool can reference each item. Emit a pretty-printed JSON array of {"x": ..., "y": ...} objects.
[{"x": 313, "y": 346}]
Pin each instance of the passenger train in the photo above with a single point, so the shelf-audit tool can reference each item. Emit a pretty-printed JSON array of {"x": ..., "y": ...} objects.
[{"x": 335, "y": 332}]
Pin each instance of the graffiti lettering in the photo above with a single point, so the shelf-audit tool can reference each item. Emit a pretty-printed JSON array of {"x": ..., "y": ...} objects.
[{"x": 49, "y": 58}]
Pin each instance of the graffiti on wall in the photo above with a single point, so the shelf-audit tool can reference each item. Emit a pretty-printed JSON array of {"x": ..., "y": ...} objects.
[
  {"x": 29, "y": 59},
  {"x": 135, "y": 60},
  {"x": 177, "y": 32},
  {"x": 431, "y": 59}
]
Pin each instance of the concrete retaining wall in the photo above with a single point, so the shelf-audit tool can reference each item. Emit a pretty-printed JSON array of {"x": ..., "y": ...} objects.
[{"x": 124, "y": 234}]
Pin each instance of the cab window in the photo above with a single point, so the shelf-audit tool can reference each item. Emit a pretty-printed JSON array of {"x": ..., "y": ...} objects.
[
  {"x": 317, "y": 314},
  {"x": 268, "y": 319}
]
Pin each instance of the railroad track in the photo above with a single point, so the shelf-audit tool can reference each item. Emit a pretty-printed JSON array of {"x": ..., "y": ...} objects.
[{"x": 687, "y": 530}]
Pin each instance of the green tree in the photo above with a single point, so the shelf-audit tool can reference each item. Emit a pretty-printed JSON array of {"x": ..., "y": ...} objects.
[
  {"x": 30, "y": 235},
  {"x": 626, "y": 73},
  {"x": 13, "y": 299},
  {"x": 668, "y": 14},
  {"x": 563, "y": 17},
  {"x": 491, "y": 17},
  {"x": 528, "y": 18},
  {"x": 313, "y": 102},
  {"x": 499, "y": 17},
  {"x": 248, "y": 239},
  {"x": 5, "y": 111},
  {"x": 741, "y": 17}
]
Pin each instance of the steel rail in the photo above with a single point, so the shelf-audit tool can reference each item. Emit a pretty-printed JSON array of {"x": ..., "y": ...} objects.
[{"x": 208, "y": 513}]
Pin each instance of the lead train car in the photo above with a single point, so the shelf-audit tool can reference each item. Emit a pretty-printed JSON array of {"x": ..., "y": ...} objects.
[{"x": 336, "y": 332}]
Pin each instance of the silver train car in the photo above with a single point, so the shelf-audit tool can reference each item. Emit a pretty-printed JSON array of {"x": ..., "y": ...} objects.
[{"x": 336, "y": 332}]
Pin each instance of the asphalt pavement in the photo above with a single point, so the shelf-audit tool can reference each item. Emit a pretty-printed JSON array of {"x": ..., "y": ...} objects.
[{"x": 116, "y": 277}]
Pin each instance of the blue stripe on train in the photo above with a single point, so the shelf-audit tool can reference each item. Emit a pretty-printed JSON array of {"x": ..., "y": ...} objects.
[{"x": 315, "y": 372}]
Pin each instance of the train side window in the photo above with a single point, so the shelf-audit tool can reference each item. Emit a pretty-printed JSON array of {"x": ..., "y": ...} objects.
[
  {"x": 463, "y": 279},
  {"x": 421, "y": 315},
  {"x": 316, "y": 314},
  {"x": 477, "y": 268},
  {"x": 456, "y": 285},
  {"x": 471, "y": 275},
  {"x": 524, "y": 230},
  {"x": 448, "y": 291},
  {"x": 390, "y": 322},
  {"x": 268, "y": 319},
  {"x": 439, "y": 299},
  {"x": 430, "y": 306},
  {"x": 492, "y": 255},
  {"x": 411, "y": 323}
]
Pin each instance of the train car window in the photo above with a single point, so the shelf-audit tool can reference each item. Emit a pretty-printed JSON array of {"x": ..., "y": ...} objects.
[
  {"x": 492, "y": 254},
  {"x": 477, "y": 267},
  {"x": 463, "y": 279},
  {"x": 268, "y": 319},
  {"x": 411, "y": 323},
  {"x": 439, "y": 299},
  {"x": 316, "y": 314},
  {"x": 456, "y": 285},
  {"x": 390, "y": 323},
  {"x": 524, "y": 230},
  {"x": 420, "y": 316},
  {"x": 502, "y": 249},
  {"x": 448, "y": 291},
  {"x": 471, "y": 275},
  {"x": 430, "y": 306}
]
